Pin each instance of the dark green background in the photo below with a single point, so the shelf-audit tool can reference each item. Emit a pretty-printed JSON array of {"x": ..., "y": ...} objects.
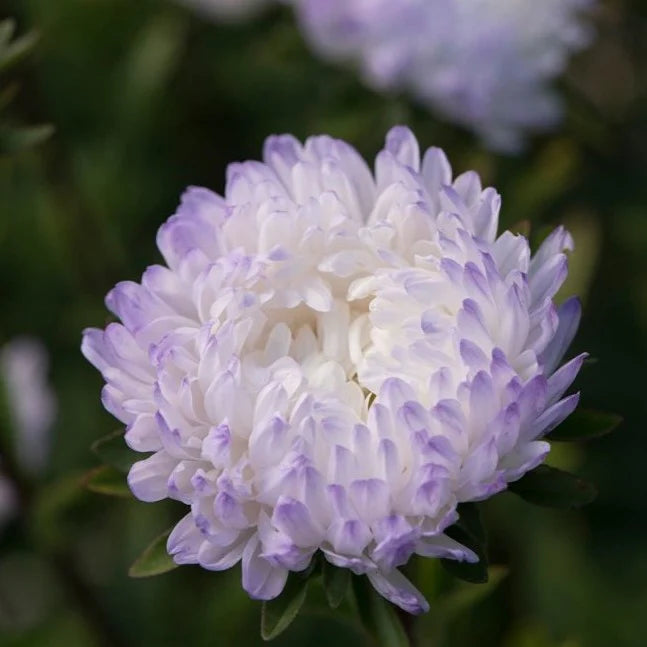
[{"x": 147, "y": 98}]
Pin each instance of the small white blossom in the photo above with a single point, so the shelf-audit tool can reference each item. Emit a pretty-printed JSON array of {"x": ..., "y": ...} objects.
[
  {"x": 332, "y": 359},
  {"x": 30, "y": 399},
  {"x": 30, "y": 404}
]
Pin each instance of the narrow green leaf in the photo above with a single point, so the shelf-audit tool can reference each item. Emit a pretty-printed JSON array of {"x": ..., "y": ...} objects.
[
  {"x": 55, "y": 506},
  {"x": 469, "y": 531},
  {"x": 553, "y": 488},
  {"x": 107, "y": 480},
  {"x": 335, "y": 581},
  {"x": 378, "y": 616},
  {"x": 7, "y": 95},
  {"x": 7, "y": 29},
  {"x": 155, "y": 559},
  {"x": 584, "y": 424},
  {"x": 13, "y": 52},
  {"x": 113, "y": 451},
  {"x": 467, "y": 595},
  {"x": 278, "y": 614},
  {"x": 469, "y": 519},
  {"x": 13, "y": 140},
  {"x": 477, "y": 572}
]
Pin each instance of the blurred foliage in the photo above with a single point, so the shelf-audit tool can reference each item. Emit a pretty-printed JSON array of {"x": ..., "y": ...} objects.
[
  {"x": 147, "y": 98},
  {"x": 12, "y": 51}
]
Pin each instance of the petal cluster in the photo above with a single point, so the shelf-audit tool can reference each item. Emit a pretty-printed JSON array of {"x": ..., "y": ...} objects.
[
  {"x": 332, "y": 358},
  {"x": 485, "y": 64}
]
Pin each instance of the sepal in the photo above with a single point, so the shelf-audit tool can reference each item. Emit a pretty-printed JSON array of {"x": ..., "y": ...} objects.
[
  {"x": 469, "y": 531},
  {"x": 107, "y": 480},
  {"x": 378, "y": 616},
  {"x": 278, "y": 614},
  {"x": 554, "y": 488},
  {"x": 335, "y": 582},
  {"x": 585, "y": 424},
  {"x": 113, "y": 451},
  {"x": 155, "y": 559}
]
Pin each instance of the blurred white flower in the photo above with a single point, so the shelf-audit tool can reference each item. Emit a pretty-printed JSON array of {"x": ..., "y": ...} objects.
[
  {"x": 30, "y": 399},
  {"x": 333, "y": 359},
  {"x": 485, "y": 64}
]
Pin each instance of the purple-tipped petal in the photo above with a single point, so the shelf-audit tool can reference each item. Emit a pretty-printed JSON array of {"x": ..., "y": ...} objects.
[
  {"x": 261, "y": 580},
  {"x": 403, "y": 145},
  {"x": 442, "y": 546},
  {"x": 396, "y": 588},
  {"x": 293, "y": 519},
  {"x": 552, "y": 417},
  {"x": 561, "y": 379},
  {"x": 148, "y": 478},
  {"x": 569, "y": 313}
]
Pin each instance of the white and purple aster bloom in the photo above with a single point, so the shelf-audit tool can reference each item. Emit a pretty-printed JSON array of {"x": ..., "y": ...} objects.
[
  {"x": 333, "y": 358},
  {"x": 485, "y": 64}
]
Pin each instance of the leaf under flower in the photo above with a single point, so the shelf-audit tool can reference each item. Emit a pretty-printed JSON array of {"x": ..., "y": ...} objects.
[
  {"x": 107, "y": 480},
  {"x": 278, "y": 614},
  {"x": 155, "y": 559},
  {"x": 113, "y": 451},
  {"x": 554, "y": 488},
  {"x": 584, "y": 424}
]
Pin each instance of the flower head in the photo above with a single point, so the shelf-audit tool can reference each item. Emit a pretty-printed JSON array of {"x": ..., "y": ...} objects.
[
  {"x": 485, "y": 64},
  {"x": 333, "y": 358}
]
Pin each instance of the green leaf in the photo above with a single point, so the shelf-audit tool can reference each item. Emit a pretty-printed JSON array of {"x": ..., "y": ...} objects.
[
  {"x": 469, "y": 519},
  {"x": 278, "y": 614},
  {"x": 553, "y": 488},
  {"x": 113, "y": 451},
  {"x": 155, "y": 559},
  {"x": 468, "y": 595},
  {"x": 469, "y": 531},
  {"x": 107, "y": 480},
  {"x": 378, "y": 616},
  {"x": 7, "y": 95},
  {"x": 12, "y": 53},
  {"x": 7, "y": 29},
  {"x": 585, "y": 424},
  {"x": 335, "y": 581},
  {"x": 13, "y": 140},
  {"x": 55, "y": 506}
]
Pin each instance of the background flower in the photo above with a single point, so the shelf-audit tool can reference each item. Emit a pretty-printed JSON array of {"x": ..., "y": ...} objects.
[
  {"x": 30, "y": 399},
  {"x": 485, "y": 64}
]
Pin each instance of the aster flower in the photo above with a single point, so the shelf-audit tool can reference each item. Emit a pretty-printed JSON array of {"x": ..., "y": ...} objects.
[
  {"x": 332, "y": 359},
  {"x": 484, "y": 64}
]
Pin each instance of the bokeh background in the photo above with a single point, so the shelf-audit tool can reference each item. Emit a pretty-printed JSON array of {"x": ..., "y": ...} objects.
[{"x": 146, "y": 98}]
